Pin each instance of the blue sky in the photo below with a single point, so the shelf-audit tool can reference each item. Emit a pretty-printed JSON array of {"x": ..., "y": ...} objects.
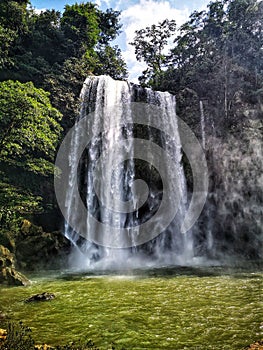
[
  {"x": 136, "y": 14},
  {"x": 118, "y": 4}
]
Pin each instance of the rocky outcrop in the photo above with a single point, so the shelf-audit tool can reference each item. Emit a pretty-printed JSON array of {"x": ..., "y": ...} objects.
[
  {"x": 8, "y": 273},
  {"x": 7, "y": 240},
  {"x": 36, "y": 249}
]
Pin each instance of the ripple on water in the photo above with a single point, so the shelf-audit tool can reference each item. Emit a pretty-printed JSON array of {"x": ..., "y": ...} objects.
[{"x": 183, "y": 309}]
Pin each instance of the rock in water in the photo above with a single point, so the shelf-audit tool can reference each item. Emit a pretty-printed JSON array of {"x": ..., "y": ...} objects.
[
  {"x": 255, "y": 346},
  {"x": 41, "y": 297},
  {"x": 8, "y": 273},
  {"x": 3, "y": 334}
]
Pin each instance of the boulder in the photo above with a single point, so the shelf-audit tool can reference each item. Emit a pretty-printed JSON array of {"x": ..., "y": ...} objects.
[
  {"x": 40, "y": 297},
  {"x": 8, "y": 273}
]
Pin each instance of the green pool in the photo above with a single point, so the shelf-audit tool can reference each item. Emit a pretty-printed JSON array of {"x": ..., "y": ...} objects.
[{"x": 170, "y": 308}]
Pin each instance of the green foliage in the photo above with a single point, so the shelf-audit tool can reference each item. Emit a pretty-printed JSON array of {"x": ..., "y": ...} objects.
[
  {"x": 217, "y": 56},
  {"x": 13, "y": 15},
  {"x": 57, "y": 51},
  {"x": 54, "y": 52},
  {"x": 7, "y": 37},
  {"x": 80, "y": 25},
  {"x": 149, "y": 46},
  {"x": 228, "y": 28},
  {"x": 12, "y": 24},
  {"x": 109, "y": 25},
  {"x": 18, "y": 337},
  {"x": 52, "y": 38},
  {"x": 15, "y": 203},
  {"x": 29, "y": 134},
  {"x": 65, "y": 84},
  {"x": 29, "y": 126},
  {"x": 110, "y": 62},
  {"x": 45, "y": 38}
]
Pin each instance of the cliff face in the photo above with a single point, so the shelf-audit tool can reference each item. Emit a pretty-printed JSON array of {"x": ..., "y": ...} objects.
[
  {"x": 231, "y": 223},
  {"x": 233, "y": 213}
]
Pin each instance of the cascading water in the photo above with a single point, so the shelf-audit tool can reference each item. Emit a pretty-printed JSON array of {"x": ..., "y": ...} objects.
[
  {"x": 202, "y": 123},
  {"x": 114, "y": 195}
]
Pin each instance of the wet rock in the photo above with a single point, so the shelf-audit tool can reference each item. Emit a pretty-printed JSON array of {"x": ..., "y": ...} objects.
[
  {"x": 26, "y": 227},
  {"x": 36, "y": 249},
  {"x": 41, "y": 297},
  {"x": 8, "y": 273},
  {"x": 7, "y": 240},
  {"x": 3, "y": 334},
  {"x": 255, "y": 346}
]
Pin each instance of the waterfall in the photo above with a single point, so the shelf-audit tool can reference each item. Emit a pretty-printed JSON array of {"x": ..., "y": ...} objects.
[
  {"x": 133, "y": 180},
  {"x": 121, "y": 175},
  {"x": 202, "y": 123}
]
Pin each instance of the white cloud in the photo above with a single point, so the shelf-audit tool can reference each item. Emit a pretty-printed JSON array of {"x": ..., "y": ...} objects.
[
  {"x": 102, "y": 3},
  {"x": 141, "y": 15},
  {"x": 38, "y": 11}
]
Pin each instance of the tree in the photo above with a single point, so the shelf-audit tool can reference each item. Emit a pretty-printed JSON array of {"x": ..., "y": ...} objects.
[
  {"x": 45, "y": 37},
  {"x": 54, "y": 52},
  {"x": 150, "y": 44},
  {"x": 13, "y": 15},
  {"x": 218, "y": 56},
  {"x": 12, "y": 25},
  {"x": 29, "y": 127},
  {"x": 80, "y": 25},
  {"x": 52, "y": 38},
  {"x": 245, "y": 33},
  {"x": 109, "y": 24},
  {"x": 111, "y": 62},
  {"x": 58, "y": 51},
  {"x": 7, "y": 37}
]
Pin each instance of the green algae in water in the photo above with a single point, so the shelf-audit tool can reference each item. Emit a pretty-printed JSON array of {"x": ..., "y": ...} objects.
[{"x": 182, "y": 310}]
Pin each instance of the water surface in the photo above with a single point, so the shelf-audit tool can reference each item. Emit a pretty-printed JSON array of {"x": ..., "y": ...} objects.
[{"x": 169, "y": 308}]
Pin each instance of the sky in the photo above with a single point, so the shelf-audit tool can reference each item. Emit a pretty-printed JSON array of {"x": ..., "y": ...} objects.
[{"x": 135, "y": 15}]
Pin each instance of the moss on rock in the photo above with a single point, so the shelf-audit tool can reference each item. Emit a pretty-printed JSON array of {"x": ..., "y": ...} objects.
[
  {"x": 36, "y": 249},
  {"x": 8, "y": 273}
]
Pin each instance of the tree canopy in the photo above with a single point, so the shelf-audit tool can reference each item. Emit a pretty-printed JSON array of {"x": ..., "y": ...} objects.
[
  {"x": 56, "y": 51},
  {"x": 12, "y": 25},
  {"x": 217, "y": 55},
  {"x": 29, "y": 126},
  {"x": 150, "y": 44},
  {"x": 47, "y": 40},
  {"x": 44, "y": 60}
]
